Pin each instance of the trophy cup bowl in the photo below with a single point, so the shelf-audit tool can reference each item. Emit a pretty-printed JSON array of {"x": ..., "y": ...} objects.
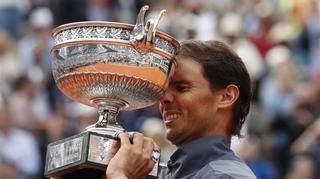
[{"x": 111, "y": 66}]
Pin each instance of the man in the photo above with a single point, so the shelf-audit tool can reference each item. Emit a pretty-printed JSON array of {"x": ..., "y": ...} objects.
[{"x": 205, "y": 104}]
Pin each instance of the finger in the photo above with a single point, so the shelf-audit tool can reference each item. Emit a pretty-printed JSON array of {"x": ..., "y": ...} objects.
[
  {"x": 124, "y": 138},
  {"x": 148, "y": 146},
  {"x": 138, "y": 140},
  {"x": 115, "y": 144}
]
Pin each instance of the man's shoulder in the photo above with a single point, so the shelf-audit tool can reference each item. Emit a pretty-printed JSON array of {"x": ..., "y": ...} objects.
[
  {"x": 219, "y": 169},
  {"x": 226, "y": 168}
]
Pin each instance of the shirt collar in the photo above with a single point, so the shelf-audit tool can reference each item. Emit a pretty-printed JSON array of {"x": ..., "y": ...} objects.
[{"x": 197, "y": 153}]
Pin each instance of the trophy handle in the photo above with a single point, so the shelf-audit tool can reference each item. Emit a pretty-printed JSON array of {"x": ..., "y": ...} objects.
[
  {"x": 152, "y": 32},
  {"x": 139, "y": 31},
  {"x": 142, "y": 37}
]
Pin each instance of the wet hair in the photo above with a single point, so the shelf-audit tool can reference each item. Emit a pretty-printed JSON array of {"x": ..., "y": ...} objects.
[{"x": 221, "y": 67}]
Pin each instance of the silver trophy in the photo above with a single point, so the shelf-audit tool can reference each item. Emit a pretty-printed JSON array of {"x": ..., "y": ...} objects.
[{"x": 110, "y": 66}]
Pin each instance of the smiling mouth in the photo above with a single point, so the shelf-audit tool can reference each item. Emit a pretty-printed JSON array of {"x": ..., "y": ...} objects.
[{"x": 171, "y": 117}]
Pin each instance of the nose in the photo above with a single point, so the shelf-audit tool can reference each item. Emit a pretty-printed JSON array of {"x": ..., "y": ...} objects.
[{"x": 167, "y": 97}]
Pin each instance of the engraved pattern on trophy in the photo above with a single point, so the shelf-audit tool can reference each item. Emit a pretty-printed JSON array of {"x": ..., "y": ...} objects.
[
  {"x": 92, "y": 33},
  {"x": 100, "y": 147},
  {"x": 99, "y": 32},
  {"x": 65, "y": 153},
  {"x": 139, "y": 90}
]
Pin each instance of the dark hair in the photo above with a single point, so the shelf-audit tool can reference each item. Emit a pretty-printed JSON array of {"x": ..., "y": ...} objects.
[{"x": 222, "y": 67}]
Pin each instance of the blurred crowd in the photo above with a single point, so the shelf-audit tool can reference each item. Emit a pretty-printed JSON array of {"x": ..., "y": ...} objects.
[{"x": 279, "y": 41}]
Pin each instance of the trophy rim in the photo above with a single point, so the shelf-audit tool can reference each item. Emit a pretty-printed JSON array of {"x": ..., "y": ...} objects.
[{"x": 72, "y": 25}]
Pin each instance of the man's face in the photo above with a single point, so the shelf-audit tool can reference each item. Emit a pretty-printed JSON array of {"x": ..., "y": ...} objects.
[{"x": 188, "y": 106}]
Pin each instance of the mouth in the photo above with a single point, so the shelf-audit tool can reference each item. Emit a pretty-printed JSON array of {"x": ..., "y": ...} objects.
[{"x": 169, "y": 117}]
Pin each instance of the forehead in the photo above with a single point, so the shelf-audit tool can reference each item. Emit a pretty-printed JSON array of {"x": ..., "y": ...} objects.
[
  {"x": 187, "y": 67},
  {"x": 189, "y": 63}
]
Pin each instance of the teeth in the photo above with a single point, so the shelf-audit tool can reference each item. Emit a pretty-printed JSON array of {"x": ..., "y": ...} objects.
[{"x": 171, "y": 116}]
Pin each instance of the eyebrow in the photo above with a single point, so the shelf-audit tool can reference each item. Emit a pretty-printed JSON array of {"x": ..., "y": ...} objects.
[{"x": 178, "y": 82}]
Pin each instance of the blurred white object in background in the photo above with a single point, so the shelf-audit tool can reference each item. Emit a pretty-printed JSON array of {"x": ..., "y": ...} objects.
[
  {"x": 41, "y": 17},
  {"x": 281, "y": 32},
  {"x": 231, "y": 24},
  {"x": 154, "y": 128},
  {"x": 278, "y": 55}
]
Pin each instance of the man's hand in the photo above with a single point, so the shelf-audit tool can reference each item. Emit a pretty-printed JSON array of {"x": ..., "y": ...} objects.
[{"x": 133, "y": 159}]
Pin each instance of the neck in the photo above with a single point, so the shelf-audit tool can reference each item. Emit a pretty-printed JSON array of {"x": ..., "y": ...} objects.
[{"x": 221, "y": 124}]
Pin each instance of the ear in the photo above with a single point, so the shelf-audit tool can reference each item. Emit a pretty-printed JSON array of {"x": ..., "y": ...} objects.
[{"x": 228, "y": 96}]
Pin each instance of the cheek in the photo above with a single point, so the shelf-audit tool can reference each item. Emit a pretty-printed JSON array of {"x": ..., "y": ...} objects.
[
  {"x": 186, "y": 104},
  {"x": 203, "y": 108}
]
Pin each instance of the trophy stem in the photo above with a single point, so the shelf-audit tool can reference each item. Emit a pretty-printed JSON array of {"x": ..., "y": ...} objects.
[
  {"x": 108, "y": 110},
  {"x": 107, "y": 117}
]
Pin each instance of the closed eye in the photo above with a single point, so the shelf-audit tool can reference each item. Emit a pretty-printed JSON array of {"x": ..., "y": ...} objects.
[{"x": 180, "y": 86}]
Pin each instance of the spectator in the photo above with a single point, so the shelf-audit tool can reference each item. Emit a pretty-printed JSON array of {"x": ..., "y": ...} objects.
[{"x": 19, "y": 155}]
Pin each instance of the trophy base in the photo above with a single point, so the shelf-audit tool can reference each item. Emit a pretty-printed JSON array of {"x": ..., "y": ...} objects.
[
  {"x": 85, "y": 174},
  {"x": 85, "y": 155}
]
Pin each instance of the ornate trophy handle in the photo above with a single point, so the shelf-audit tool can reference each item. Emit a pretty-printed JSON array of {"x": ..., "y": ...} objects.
[{"x": 142, "y": 37}]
